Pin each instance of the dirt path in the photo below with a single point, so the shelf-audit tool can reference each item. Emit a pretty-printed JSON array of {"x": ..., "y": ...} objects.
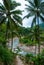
[{"x": 19, "y": 62}]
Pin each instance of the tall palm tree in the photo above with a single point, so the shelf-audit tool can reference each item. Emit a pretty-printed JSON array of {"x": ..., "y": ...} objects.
[
  {"x": 34, "y": 9},
  {"x": 10, "y": 15},
  {"x": 32, "y": 38},
  {"x": 34, "y": 35}
]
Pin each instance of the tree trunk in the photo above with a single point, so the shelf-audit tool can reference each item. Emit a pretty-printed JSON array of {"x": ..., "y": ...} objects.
[
  {"x": 35, "y": 48},
  {"x": 39, "y": 47},
  {"x": 38, "y": 35},
  {"x": 35, "y": 34},
  {"x": 12, "y": 42},
  {"x": 6, "y": 36}
]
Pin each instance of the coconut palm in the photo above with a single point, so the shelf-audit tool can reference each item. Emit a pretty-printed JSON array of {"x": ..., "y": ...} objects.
[
  {"x": 34, "y": 8},
  {"x": 10, "y": 15},
  {"x": 34, "y": 36}
]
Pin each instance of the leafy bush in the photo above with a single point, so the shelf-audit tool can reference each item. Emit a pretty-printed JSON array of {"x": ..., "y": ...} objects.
[
  {"x": 23, "y": 40},
  {"x": 35, "y": 59},
  {"x": 39, "y": 59},
  {"x": 28, "y": 58},
  {"x": 27, "y": 41},
  {"x": 6, "y": 56}
]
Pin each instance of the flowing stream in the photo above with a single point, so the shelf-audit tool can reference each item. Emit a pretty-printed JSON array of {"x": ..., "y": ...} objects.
[
  {"x": 15, "y": 42},
  {"x": 24, "y": 49}
]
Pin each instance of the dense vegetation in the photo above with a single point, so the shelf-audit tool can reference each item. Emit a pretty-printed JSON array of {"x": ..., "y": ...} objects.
[
  {"x": 33, "y": 59},
  {"x": 10, "y": 26},
  {"x": 6, "y": 56},
  {"x": 9, "y": 22}
]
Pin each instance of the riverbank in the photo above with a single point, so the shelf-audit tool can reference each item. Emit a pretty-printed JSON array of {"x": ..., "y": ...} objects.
[
  {"x": 30, "y": 48},
  {"x": 24, "y": 47}
]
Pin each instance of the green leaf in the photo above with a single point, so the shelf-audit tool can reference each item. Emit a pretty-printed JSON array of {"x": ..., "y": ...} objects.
[
  {"x": 14, "y": 4},
  {"x": 7, "y": 4},
  {"x": 18, "y": 19},
  {"x": 41, "y": 17},
  {"x": 2, "y": 7},
  {"x": 2, "y": 20},
  {"x": 33, "y": 22},
  {"x": 16, "y": 12},
  {"x": 28, "y": 15},
  {"x": 29, "y": 8},
  {"x": 14, "y": 22},
  {"x": 36, "y": 3},
  {"x": 42, "y": 8},
  {"x": 31, "y": 3}
]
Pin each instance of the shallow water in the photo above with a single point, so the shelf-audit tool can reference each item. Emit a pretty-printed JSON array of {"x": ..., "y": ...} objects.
[{"x": 15, "y": 43}]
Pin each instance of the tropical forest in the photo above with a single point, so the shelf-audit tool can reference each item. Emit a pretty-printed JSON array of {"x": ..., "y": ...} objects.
[{"x": 21, "y": 32}]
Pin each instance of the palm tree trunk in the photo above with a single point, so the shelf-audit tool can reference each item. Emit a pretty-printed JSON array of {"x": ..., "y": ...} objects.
[
  {"x": 38, "y": 36},
  {"x": 12, "y": 42},
  {"x": 6, "y": 35},
  {"x": 35, "y": 35},
  {"x": 8, "y": 40},
  {"x": 38, "y": 47},
  {"x": 35, "y": 48}
]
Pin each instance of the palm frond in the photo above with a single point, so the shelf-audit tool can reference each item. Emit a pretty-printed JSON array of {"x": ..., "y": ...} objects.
[
  {"x": 10, "y": 5},
  {"x": 14, "y": 22},
  {"x": 7, "y": 4},
  {"x": 2, "y": 7},
  {"x": 18, "y": 19},
  {"x": 29, "y": 6},
  {"x": 1, "y": 14},
  {"x": 14, "y": 4},
  {"x": 36, "y": 3},
  {"x": 29, "y": 10},
  {"x": 16, "y": 12},
  {"x": 15, "y": 33},
  {"x": 33, "y": 22},
  {"x": 42, "y": 8},
  {"x": 2, "y": 20},
  {"x": 28, "y": 15},
  {"x": 31, "y": 3},
  {"x": 42, "y": 18}
]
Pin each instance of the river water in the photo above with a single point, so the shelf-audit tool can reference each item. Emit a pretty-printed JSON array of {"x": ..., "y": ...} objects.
[
  {"x": 24, "y": 49},
  {"x": 15, "y": 43}
]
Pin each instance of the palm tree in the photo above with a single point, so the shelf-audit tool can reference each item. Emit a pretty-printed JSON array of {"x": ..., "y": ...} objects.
[
  {"x": 34, "y": 9},
  {"x": 10, "y": 15},
  {"x": 34, "y": 35}
]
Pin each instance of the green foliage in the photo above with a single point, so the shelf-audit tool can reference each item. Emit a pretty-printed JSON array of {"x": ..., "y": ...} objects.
[
  {"x": 34, "y": 8},
  {"x": 28, "y": 58},
  {"x": 22, "y": 31},
  {"x": 2, "y": 40},
  {"x": 39, "y": 60},
  {"x": 27, "y": 41},
  {"x": 24, "y": 40},
  {"x": 36, "y": 59},
  {"x": 8, "y": 9},
  {"x": 6, "y": 56}
]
